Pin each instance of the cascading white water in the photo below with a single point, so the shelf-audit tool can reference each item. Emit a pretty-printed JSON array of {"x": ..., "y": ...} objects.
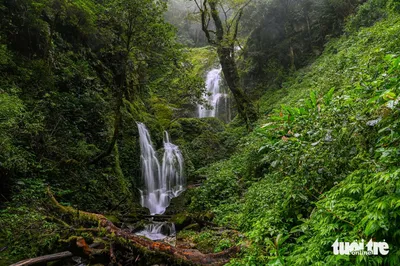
[
  {"x": 162, "y": 182},
  {"x": 215, "y": 97},
  {"x": 172, "y": 167},
  {"x": 158, "y": 230}
]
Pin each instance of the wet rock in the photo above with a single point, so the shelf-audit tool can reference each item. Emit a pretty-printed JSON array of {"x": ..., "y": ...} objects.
[
  {"x": 328, "y": 136},
  {"x": 374, "y": 122}
]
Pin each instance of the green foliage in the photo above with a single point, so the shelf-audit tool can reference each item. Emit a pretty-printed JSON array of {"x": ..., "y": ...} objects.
[
  {"x": 288, "y": 35},
  {"x": 12, "y": 111},
  {"x": 364, "y": 205},
  {"x": 201, "y": 140},
  {"x": 72, "y": 73},
  {"x": 202, "y": 59},
  {"x": 26, "y": 233},
  {"x": 323, "y": 163},
  {"x": 209, "y": 241},
  {"x": 367, "y": 15}
]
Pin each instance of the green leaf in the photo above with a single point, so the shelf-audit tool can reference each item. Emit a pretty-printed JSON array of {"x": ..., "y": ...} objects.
[
  {"x": 313, "y": 98},
  {"x": 328, "y": 97}
]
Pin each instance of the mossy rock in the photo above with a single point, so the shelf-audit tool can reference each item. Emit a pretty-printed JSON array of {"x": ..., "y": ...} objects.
[
  {"x": 188, "y": 128},
  {"x": 199, "y": 140},
  {"x": 181, "y": 220},
  {"x": 179, "y": 204},
  {"x": 193, "y": 227},
  {"x": 215, "y": 124},
  {"x": 192, "y": 127},
  {"x": 162, "y": 111},
  {"x": 207, "y": 148},
  {"x": 207, "y": 216}
]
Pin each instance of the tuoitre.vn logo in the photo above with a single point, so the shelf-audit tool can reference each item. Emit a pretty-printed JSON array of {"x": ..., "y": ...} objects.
[{"x": 358, "y": 248}]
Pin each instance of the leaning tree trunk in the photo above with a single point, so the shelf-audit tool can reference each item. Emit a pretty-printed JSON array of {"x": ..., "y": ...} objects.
[
  {"x": 226, "y": 54},
  {"x": 245, "y": 107}
]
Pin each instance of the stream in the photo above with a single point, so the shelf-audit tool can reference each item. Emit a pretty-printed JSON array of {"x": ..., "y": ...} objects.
[{"x": 164, "y": 177}]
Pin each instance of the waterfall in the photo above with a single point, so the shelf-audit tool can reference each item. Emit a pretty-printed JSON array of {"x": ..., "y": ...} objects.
[
  {"x": 151, "y": 197},
  {"x": 162, "y": 182},
  {"x": 215, "y": 97}
]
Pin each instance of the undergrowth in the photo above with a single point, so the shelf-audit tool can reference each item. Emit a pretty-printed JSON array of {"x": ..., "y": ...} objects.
[{"x": 323, "y": 163}]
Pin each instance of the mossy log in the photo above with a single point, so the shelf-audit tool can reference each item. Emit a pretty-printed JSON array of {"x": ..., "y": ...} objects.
[{"x": 173, "y": 254}]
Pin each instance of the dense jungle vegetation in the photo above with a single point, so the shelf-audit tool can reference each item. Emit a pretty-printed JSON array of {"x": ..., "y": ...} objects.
[{"x": 311, "y": 155}]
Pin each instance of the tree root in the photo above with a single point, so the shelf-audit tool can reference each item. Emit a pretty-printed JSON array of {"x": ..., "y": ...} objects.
[{"x": 173, "y": 254}]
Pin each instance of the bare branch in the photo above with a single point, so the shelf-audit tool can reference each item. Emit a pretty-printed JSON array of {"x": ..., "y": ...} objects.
[
  {"x": 205, "y": 21},
  {"x": 208, "y": 22},
  {"x": 239, "y": 45},
  {"x": 236, "y": 18},
  {"x": 198, "y": 5},
  {"x": 225, "y": 15},
  {"x": 237, "y": 24},
  {"x": 217, "y": 21}
]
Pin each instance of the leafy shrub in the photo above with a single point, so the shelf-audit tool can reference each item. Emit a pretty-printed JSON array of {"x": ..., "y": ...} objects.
[{"x": 368, "y": 13}]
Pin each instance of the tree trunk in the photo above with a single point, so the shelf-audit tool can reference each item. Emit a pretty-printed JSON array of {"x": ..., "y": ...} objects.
[
  {"x": 226, "y": 55},
  {"x": 245, "y": 107}
]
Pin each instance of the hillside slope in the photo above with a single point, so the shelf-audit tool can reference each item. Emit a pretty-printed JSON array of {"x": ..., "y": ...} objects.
[{"x": 324, "y": 160}]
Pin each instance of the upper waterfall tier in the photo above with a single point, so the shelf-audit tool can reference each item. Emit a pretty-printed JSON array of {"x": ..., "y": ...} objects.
[{"x": 216, "y": 98}]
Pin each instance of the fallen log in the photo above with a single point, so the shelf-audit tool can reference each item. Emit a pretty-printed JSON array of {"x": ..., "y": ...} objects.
[
  {"x": 80, "y": 244},
  {"x": 177, "y": 255},
  {"x": 44, "y": 259}
]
